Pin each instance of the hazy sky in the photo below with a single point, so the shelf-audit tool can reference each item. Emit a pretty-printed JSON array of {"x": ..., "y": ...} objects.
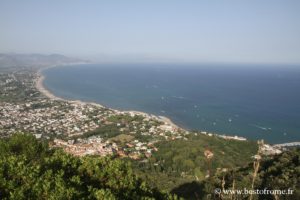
[{"x": 186, "y": 30}]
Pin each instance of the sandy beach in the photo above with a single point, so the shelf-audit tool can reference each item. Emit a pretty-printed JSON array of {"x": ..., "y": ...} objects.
[
  {"x": 40, "y": 87},
  {"x": 169, "y": 121}
]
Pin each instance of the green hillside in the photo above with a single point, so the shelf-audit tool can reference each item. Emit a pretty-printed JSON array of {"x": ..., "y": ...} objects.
[
  {"x": 30, "y": 170},
  {"x": 179, "y": 162},
  {"x": 280, "y": 174}
]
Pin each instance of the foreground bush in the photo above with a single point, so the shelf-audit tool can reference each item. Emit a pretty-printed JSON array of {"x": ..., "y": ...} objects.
[{"x": 30, "y": 170}]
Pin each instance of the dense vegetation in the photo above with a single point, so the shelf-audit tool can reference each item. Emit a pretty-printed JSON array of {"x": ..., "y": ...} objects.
[
  {"x": 180, "y": 161},
  {"x": 281, "y": 172},
  {"x": 105, "y": 131},
  {"x": 30, "y": 170}
]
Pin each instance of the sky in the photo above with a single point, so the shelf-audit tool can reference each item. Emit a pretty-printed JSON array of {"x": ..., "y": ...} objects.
[{"x": 239, "y": 31}]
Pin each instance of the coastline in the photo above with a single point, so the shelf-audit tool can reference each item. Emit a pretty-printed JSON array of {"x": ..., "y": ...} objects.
[
  {"x": 41, "y": 88},
  {"x": 167, "y": 121}
]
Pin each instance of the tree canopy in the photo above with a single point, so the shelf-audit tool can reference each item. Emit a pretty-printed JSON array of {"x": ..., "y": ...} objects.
[{"x": 30, "y": 170}]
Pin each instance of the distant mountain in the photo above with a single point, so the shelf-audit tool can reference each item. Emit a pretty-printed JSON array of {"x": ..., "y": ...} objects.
[{"x": 35, "y": 60}]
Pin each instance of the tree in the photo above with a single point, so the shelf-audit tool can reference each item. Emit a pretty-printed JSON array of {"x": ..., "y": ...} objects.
[{"x": 30, "y": 170}]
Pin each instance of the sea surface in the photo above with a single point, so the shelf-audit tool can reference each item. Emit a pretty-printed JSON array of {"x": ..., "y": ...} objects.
[{"x": 253, "y": 101}]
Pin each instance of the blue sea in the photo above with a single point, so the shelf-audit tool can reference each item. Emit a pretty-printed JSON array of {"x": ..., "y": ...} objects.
[{"x": 253, "y": 101}]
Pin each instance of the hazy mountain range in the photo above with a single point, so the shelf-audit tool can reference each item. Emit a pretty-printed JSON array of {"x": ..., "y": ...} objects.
[{"x": 35, "y": 60}]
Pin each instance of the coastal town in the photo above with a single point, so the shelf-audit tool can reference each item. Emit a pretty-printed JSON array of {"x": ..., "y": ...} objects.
[
  {"x": 82, "y": 128},
  {"x": 63, "y": 121},
  {"x": 150, "y": 100}
]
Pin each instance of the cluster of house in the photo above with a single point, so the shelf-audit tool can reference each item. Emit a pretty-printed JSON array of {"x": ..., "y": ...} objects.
[
  {"x": 95, "y": 145},
  {"x": 49, "y": 117},
  {"x": 5, "y": 82},
  {"x": 137, "y": 149},
  {"x": 152, "y": 125},
  {"x": 14, "y": 83},
  {"x": 90, "y": 146},
  {"x": 267, "y": 149},
  {"x": 133, "y": 149},
  {"x": 226, "y": 137},
  {"x": 45, "y": 118}
]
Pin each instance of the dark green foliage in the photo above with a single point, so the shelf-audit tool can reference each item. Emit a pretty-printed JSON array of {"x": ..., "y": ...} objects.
[
  {"x": 125, "y": 118},
  {"x": 25, "y": 145},
  {"x": 29, "y": 170},
  {"x": 188, "y": 155},
  {"x": 279, "y": 173},
  {"x": 191, "y": 190},
  {"x": 180, "y": 161},
  {"x": 105, "y": 131}
]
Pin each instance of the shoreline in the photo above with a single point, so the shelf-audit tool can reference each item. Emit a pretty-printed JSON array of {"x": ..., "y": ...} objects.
[
  {"x": 39, "y": 85},
  {"x": 41, "y": 88}
]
